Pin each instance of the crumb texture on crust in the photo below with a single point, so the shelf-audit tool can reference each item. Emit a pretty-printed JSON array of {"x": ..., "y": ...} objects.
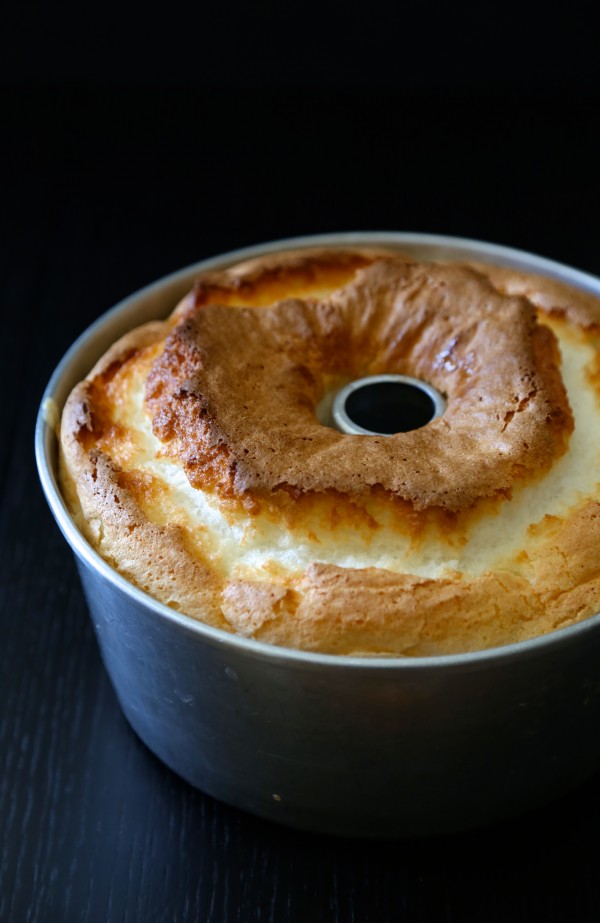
[{"x": 193, "y": 460}]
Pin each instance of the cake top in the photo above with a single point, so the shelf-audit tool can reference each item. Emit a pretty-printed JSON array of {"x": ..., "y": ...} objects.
[
  {"x": 196, "y": 458},
  {"x": 243, "y": 385}
]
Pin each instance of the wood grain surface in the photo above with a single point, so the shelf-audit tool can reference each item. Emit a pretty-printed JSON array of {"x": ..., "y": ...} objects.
[{"x": 105, "y": 191}]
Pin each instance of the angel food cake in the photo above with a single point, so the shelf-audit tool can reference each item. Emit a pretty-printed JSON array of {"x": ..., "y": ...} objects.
[{"x": 200, "y": 459}]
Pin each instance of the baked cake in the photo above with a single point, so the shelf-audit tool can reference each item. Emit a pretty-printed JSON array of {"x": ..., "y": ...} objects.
[{"x": 197, "y": 458}]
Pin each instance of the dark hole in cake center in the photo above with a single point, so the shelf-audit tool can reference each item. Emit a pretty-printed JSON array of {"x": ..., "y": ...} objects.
[{"x": 384, "y": 405}]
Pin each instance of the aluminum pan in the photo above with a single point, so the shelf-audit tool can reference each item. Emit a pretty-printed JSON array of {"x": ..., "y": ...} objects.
[{"x": 359, "y": 746}]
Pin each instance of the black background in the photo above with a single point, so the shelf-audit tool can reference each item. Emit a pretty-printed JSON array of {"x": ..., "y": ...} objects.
[{"x": 134, "y": 143}]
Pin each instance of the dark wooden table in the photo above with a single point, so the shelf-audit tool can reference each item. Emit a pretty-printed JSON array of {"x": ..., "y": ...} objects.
[{"x": 104, "y": 191}]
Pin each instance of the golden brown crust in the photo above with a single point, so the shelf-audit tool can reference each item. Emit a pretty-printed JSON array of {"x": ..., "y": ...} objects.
[
  {"x": 304, "y": 272},
  {"x": 156, "y": 558},
  {"x": 244, "y": 385},
  {"x": 268, "y": 278},
  {"x": 361, "y": 611},
  {"x": 580, "y": 307},
  {"x": 339, "y": 309}
]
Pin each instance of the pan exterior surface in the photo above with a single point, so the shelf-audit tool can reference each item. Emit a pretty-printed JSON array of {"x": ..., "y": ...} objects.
[{"x": 352, "y": 746}]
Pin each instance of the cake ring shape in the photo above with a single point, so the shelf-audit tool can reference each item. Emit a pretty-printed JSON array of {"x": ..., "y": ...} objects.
[
  {"x": 193, "y": 459},
  {"x": 382, "y": 405},
  {"x": 244, "y": 385}
]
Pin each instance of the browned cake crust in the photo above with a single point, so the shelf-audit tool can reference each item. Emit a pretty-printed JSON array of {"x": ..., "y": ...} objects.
[
  {"x": 244, "y": 385},
  {"x": 549, "y": 295},
  {"x": 232, "y": 381}
]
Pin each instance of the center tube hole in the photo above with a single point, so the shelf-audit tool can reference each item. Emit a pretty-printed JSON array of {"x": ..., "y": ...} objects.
[{"x": 386, "y": 404}]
